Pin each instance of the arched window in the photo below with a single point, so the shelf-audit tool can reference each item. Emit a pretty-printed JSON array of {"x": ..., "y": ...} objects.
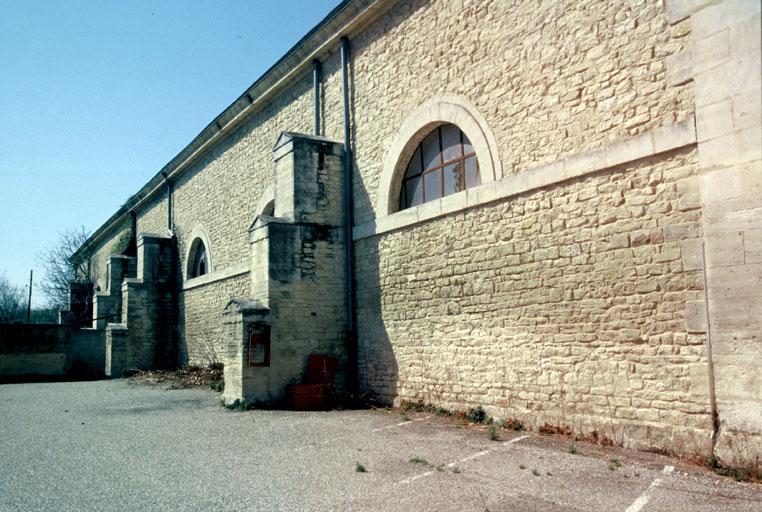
[
  {"x": 443, "y": 163},
  {"x": 269, "y": 209},
  {"x": 199, "y": 264}
]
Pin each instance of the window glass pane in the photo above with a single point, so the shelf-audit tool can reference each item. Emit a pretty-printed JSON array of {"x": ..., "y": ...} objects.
[
  {"x": 432, "y": 184},
  {"x": 430, "y": 147},
  {"x": 450, "y": 142},
  {"x": 414, "y": 192},
  {"x": 199, "y": 260},
  {"x": 453, "y": 178},
  {"x": 467, "y": 147},
  {"x": 472, "y": 173},
  {"x": 414, "y": 167}
]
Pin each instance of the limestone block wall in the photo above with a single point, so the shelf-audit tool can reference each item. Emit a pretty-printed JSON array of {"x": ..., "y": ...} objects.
[
  {"x": 304, "y": 270},
  {"x": 551, "y": 78},
  {"x": 219, "y": 196},
  {"x": 200, "y": 320},
  {"x": 567, "y": 305},
  {"x": 146, "y": 336},
  {"x": 107, "y": 304},
  {"x": 297, "y": 274},
  {"x": 153, "y": 215},
  {"x": 100, "y": 255},
  {"x": 220, "y": 193}
]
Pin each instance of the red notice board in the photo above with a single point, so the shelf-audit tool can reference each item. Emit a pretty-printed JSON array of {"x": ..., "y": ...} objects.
[{"x": 259, "y": 345}]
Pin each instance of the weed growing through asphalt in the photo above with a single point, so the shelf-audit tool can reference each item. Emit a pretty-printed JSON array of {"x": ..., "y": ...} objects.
[
  {"x": 738, "y": 474},
  {"x": 614, "y": 464},
  {"x": 492, "y": 434},
  {"x": 535, "y": 472},
  {"x": 440, "y": 467},
  {"x": 404, "y": 417},
  {"x": 511, "y": 424},
  {"x": 477, "y": 415},
  {"x": 572, "y": 449},
  {"x": 522, "y": 466},
  {"x": 549, "y": 473},
  {"x": 238, "y": 405},
  {"x": 455, "y": 470},
  {"x": 441, "y": 411},
  {"x": 419, "y": 460},
  {"x": 359, "y": 468}
]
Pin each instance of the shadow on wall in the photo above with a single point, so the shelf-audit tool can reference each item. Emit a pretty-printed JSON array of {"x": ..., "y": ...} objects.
[
  {"x": 377, "y": 363},
  {"x": 378, "y": 370}
]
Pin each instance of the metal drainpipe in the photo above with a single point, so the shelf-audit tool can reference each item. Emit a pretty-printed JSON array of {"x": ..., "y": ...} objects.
[
  {"x": 169, "y": 201},
  {"x": 316, "y": 93},
  {"x": 710, "y": 361},
  {"x": 351, "y": 335}
]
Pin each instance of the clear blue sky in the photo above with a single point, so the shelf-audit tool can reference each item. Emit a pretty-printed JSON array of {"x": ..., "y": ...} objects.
[{"x": 96, "y": 96}]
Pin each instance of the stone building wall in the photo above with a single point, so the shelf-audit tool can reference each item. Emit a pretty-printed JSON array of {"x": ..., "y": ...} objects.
[
  {"x": 586, "y": 290},
  {"x": 566, "y": 305},
  {"x": 550, "y": 78},
  {"x": 100, "y": 255},
  {"x": 152, "y": 217},
  {"x": 200, "y": 319},
  {"x": 221, "y": 192},
  {"x": 582, "y": 75}
]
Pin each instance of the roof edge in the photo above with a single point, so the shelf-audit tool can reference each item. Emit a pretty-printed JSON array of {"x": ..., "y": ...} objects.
[{"x": 344, "y": 17}]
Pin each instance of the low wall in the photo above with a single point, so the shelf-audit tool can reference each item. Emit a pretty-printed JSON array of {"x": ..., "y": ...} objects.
[{"x": 47, "y": 351}]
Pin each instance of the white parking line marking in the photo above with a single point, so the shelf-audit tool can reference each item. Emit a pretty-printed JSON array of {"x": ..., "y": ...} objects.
[
  {"x": 515, "y": 440},
  {"x": 327, "y": 441},
  {"x": 398, "y": 424},
  {"x": 475, "y": 456},
  {"x": 416, "y": 477},
  {"x": 639, "y": 503},
  {"x": 464, "y": 459}
]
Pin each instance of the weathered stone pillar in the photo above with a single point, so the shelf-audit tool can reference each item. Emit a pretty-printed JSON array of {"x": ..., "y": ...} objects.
[
  {"x": 725, "y": 61},
  {"x": 107, "y": 305},
  {"x": 297, "y": 273},
  {"x": 145, "y": 338},
  {"x": 239, "y": 377}
]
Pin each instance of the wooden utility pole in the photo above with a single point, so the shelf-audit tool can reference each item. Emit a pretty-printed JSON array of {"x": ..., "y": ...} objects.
[{"x": 29, "y": 304}]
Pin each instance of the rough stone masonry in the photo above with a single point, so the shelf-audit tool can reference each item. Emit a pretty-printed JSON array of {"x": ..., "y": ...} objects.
[{"x": 617, "y": 144}]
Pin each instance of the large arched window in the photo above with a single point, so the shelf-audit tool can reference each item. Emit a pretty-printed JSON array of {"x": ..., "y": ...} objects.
[
  {"x": 199, "y": 261},
  {"x": 443, "y": 163}
]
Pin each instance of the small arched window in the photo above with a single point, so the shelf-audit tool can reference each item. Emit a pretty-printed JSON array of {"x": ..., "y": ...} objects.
[
  {"x": 443, "y": 163},
  {"x": 200, "y": 262}
]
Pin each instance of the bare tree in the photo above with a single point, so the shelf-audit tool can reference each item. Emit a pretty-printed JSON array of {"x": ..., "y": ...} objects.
[
  {"x": 11, "y": 301},
  {"x": 60, "y": 270}
]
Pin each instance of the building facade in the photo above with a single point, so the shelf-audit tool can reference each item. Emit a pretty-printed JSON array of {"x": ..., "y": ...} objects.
[{"x": 545, "y": 200}]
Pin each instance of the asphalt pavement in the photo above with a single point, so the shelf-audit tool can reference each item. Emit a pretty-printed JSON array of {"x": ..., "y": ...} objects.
[{"x": 114, "y": 445}]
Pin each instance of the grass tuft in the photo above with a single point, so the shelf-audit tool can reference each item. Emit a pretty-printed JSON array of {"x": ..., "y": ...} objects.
[{"x": 477, "y": 415}]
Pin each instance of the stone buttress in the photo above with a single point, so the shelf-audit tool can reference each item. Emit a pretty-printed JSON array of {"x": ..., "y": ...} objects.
[{"x": 296, "y": 307}]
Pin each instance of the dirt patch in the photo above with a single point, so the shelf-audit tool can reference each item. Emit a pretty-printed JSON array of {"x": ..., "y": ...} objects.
[{"x": 187, "y": 377}]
